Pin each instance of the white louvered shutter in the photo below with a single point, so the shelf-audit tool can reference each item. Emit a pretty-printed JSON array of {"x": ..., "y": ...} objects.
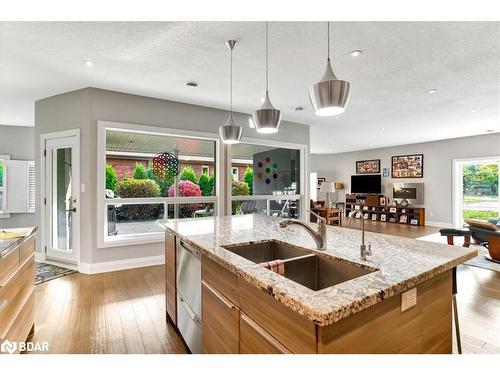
[{"x": 20, "y": 196}]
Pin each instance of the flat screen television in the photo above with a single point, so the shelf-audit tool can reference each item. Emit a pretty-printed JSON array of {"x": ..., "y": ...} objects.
[{"x": 366, "y": 184}]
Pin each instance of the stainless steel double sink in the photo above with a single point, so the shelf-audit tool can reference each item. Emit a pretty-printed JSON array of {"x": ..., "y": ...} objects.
[{"x": 303, "y": 266}]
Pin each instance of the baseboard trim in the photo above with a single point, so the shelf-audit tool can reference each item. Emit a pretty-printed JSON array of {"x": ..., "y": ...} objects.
[
  {"x": 438, "y": 224},
  {"x": 118, "y": 265}
]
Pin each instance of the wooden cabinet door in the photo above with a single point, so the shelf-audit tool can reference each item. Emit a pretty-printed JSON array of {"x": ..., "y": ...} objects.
[
  {"x": 221, "y": 322},
  {"x": 170, "y": 287},
  {"x": 255, "y": 340}
]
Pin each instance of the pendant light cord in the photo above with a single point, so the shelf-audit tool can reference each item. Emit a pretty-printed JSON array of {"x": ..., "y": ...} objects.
[
  {"x": 328, "y": 31},
  {"x": 231, "y": 83},
  {"x": 267, "y": 56}
]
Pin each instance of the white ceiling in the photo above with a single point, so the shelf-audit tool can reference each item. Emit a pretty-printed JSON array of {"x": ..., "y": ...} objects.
[{"x": 401, "y": 60}]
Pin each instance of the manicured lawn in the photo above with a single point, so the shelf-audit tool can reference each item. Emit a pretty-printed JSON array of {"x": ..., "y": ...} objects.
[
  {"x": 483, "y": 215},
  {"x": 477, "y": 199}
]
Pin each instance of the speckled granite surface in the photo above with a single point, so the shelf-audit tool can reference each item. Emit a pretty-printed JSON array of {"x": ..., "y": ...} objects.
[{"x": 401, "y": 263}]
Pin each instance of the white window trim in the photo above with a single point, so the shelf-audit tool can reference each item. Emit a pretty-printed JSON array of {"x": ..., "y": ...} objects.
[
  {"x": 103, "y": 241},
  {"x": 304, "y": 173},
  {"x": 207, "y": 167},
  {"x": 237, "y": 173}
]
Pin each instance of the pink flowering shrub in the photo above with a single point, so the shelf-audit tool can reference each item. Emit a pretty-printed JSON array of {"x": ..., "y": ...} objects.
[{"x": 186, "y": 189}]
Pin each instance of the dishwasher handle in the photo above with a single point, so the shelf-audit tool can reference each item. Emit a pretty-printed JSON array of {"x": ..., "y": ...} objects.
[
  {"x": 188, "y": 248},
  {"x": 190, "y": 312}
]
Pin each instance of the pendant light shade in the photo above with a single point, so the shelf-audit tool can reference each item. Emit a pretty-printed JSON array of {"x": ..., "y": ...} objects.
[
  {"x": 267, "y": 119},
  {"x": 231, "y": 132},
  {"x": 329, "y": 96}
]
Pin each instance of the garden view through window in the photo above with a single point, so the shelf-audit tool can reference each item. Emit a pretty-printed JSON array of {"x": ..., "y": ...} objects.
[
  {"x": 480, "y": 198},
  {"x": 136, "y": 197}
]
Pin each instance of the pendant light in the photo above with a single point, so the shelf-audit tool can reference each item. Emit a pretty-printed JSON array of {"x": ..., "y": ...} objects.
[
  {"x": 329, "y": 96},
  {"x": 267, "y": 119},
  {"x": 230, "y": 132}
]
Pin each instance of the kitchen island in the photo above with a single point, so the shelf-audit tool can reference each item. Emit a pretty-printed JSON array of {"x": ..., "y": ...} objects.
[{"x": 223, "y": 300}]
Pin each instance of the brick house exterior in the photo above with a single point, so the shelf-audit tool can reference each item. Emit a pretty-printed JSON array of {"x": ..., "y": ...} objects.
[{"x": 125, "y": 167}]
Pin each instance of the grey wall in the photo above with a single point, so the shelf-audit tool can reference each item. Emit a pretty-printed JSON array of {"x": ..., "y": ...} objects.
[
  {"x": 83, "y": 108},
  {"x": 18, "y": 142},
  {"x": 437, "y": 167}
]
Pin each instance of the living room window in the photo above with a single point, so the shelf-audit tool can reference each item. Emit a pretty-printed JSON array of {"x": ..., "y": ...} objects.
[
  {"x": 136, "y": 194},
  {"x": 476, "y": 189}
]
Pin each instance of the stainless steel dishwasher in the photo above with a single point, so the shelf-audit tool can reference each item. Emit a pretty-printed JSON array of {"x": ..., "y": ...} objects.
[{"x": 189, "y": 295}]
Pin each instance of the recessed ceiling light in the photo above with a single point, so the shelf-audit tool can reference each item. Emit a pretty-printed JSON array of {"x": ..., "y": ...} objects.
[
  {"x": 382, "y": 128},
  {"x": 192, "y": 84},
  {"x": 336, "y": 116},
  {"x": 356, "y": 53},
  {"x": 299, "y": 108},
  {"x": 431, "y": 91},
  {"x": 490, "y": 130},
  {"x": 88, "y": 63},
  {"x": 472, "y": 110}
]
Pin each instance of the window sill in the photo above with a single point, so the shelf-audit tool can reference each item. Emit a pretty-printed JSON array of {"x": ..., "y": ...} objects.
[{"x": 133, "y": 239}]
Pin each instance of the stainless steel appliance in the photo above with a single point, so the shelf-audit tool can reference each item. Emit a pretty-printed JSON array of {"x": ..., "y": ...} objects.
[{"x": 189, "y": 295}]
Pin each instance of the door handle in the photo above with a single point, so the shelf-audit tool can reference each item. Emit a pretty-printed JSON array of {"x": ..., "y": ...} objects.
[{"x": 71, "y": 209}]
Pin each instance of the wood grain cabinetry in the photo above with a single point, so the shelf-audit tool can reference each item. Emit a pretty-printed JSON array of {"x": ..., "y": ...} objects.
[
  {"x": 17, "y": 273},
  {"x": 238, "y": 317},
  {"x": 170, "y": 279},
  {"x": 220, "y": 323},
  {"x": 256, "y": 340}
]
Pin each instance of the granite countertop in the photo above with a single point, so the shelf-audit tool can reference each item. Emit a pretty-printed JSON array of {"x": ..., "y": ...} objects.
[
  {"x": 10, "y": 244},
  {"x": 401, "y": 263}
]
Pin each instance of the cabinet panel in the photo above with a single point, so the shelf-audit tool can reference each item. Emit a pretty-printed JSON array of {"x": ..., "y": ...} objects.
[
  {"x": 255, "y": 340},
  {"x": 221, "y": 319},
  {"x": 223, "y": 280},
  {"x": 170, "y": 287},
  {"x": 8, "y": 265},
  {"x": 294, "y": 331}
]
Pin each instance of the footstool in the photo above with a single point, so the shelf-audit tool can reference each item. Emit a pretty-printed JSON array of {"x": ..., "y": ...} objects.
[{"x": 456, "y": 232}]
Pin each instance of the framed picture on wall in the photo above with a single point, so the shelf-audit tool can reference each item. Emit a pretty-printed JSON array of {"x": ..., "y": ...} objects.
[
  {"x": 319, "y": 181},
  {"x": 386, "y": 172},
  {"x": 383, "y": 217},
  {"x": 408, "y": 166},
  {"x": 382, "y": 201},
  {"x": 368, "y": 166}
]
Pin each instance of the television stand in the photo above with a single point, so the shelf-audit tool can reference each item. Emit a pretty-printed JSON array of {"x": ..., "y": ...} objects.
[{"x": 372, "y": 210}]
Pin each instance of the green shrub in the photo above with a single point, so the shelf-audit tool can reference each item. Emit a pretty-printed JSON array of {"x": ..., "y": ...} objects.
[
  {"x": 206, "y": 184},
  {"x": 238, "y": 188},
  {"x": 110, "y": 177},
  {"x": 132, "y": 188},
  {"x": 163, "y": 184},
  {"x": 140, "y": 172},
  {"x": 248, "y": 178},
  {"x": 188, "y": 174}
]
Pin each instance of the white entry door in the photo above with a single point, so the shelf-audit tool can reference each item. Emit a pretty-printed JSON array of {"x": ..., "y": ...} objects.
[{"x": 62, "y": 199}]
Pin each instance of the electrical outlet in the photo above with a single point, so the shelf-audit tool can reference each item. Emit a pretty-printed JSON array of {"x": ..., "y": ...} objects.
[{"x": 408, "y": 299}]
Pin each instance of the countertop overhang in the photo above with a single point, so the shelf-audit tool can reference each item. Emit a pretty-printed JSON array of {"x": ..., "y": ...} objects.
[
  {"x": 10, "y": 244},
  {"x": 402, "y": 263}
]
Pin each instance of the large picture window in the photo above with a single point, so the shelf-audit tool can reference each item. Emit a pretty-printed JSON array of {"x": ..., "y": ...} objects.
[
  {"x": 136, "y": 197},
  {"x": 270, "y": 183}
]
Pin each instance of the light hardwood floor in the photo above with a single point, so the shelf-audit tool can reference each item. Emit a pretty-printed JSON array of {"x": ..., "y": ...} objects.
[
  {"x": 124, "y": 312},
  {"x": 116, "y": 312}
]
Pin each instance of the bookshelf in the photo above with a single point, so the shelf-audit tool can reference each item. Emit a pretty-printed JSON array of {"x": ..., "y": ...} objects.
[{"x": 372, "y": 210}]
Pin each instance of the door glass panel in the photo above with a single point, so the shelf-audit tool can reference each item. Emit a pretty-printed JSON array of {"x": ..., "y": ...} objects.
[
  {"x": 480, "y": 198},
  {"x": 62, "y": 233}
]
